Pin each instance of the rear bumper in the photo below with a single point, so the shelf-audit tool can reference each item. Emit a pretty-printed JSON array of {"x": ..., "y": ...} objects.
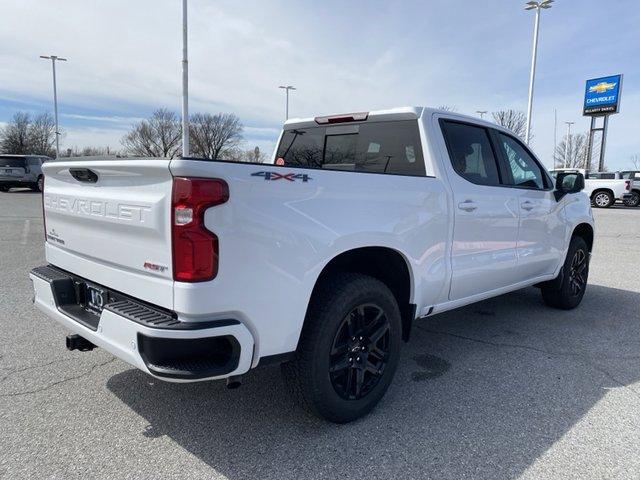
[
  {"x": 16, "y": 182},
  {"x": 146, "y": 337}
]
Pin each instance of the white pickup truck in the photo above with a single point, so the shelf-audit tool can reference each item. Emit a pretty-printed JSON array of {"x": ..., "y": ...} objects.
[
  {"x": 321, "y": 260},
  {"x": 604, "y": 188}
]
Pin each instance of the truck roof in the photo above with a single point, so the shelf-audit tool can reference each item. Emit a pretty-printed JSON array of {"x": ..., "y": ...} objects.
[{"x": 398, "y": 113}]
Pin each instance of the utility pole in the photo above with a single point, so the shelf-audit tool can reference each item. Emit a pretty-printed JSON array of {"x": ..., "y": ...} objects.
[
  {"x": 53, "y": 59},
  {"x": 286, "y": 89},
  {"x": 537, "y": 6},
  {"x": 185, "y": 84},
  {"x": 555, "y": 135},
  {"x": 566, "y": 145},
  {"x": 481, "y": 113}
]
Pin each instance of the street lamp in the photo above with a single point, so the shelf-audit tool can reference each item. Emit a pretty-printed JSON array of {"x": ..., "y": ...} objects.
[
  {"x": 566, "y": 144},
  {"x": 481, "y": 112},
  {"x": 53, "y": 59},
  {"x": 185, "y": 84},
  {"x": 286, "y": 89},
  {"x": 537, "y": 6}
]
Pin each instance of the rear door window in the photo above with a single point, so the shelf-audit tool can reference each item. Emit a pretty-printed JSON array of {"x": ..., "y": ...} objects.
[
  {"x": 471, "y": 153},
  {"x": 15, "y": 162},
  {"x": 377, "y": 147},
  {"x": 603, "y": 176}
]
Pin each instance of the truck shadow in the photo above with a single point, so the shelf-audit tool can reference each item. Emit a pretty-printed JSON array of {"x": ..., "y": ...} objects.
[{"x": 481, "y": 392}]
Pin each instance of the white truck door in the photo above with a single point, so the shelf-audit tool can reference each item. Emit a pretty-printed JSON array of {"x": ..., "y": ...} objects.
[
  {"x": 483, "y": 253},
  {"x": 541, "y": 231}
]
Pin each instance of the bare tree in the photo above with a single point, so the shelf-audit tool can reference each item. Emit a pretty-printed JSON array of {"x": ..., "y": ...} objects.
[
  {"x": 14, "y": 137},
  {"x": 448, "y": 108},
  {"x": 514, "y": 120},
  {"x": 42, "y": 135},
  {"x": 635, "y": 161},
  {"x": 571, "y": 152},
  {"x": 23, "y": 136},
  {"x": 158, "y": 136},
  {"x": 253, "y": 155},
  {"x": 214, "y": 136},
  {"x": 90, "y": 152}
]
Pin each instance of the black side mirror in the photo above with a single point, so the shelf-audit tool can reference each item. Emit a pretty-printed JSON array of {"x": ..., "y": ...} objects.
[{"x": 568, "y": 182}]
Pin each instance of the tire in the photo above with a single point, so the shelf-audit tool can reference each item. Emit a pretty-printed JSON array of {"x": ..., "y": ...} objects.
[
  {"x": 567, "y": 290},
  {"x": 4, "y": 189},
  {"x": 334, "y": 356},
  {"x": 602, "y": 199},
  {"x": 39, "y": 184},
  {"x": 634, "y": 201}
]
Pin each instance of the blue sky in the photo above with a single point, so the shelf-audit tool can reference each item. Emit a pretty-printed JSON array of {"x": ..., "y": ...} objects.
[{"x": 124, "y": 61}]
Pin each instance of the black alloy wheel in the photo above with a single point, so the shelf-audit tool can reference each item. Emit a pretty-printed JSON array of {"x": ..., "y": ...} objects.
[
  {"x": 577, "y": 278},
  {"x": 359, "y": 352}
]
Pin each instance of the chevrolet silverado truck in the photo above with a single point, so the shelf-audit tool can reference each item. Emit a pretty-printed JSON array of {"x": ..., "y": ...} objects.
[
  {"x": 604, "y": 188},
  {"x": 634, "y": 199},
  {"x": 319, "y": 260}
]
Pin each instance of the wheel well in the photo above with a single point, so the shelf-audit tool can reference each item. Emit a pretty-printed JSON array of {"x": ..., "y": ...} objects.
[
  {"x": 608, "y": 190},
  {"x": 585, "y": 231},
  {"x": 385, "y": 264}
]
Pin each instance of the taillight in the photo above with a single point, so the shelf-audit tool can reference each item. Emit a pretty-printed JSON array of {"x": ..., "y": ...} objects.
[
  {"x": 627, "y": 184},
  {"x": 44, "y": 219},
  {"x": 195, "y": 249}
]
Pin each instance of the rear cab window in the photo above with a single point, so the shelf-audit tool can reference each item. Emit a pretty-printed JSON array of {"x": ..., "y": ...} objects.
[{"x": 391, "y": 147}]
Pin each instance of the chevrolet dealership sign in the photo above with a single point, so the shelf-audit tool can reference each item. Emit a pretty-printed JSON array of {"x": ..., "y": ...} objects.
[{"x": 602, "y": 95}]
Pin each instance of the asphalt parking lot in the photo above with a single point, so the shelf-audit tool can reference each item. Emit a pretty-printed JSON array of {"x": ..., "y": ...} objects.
[{"x": 506, "y": 388}]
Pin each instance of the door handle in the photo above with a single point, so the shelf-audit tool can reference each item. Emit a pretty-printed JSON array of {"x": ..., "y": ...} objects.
[
  {"x": 527, "y": 205},
  {"x": 467, "y": 206}
]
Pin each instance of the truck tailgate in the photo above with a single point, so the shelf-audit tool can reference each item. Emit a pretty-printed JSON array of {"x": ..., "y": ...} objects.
[{"x": 109, "y": 221}]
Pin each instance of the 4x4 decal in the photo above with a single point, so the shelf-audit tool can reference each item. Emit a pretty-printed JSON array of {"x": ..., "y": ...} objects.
[{"x": 292, "y": 177}]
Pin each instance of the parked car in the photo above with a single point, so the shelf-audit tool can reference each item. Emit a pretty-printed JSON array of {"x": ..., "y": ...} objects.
[
  {"x": 634, "y": 198},
  {"x": 21, "y": 171},
  {"x": 604, "y": 188},
  {"x": 321, "y": 261}
]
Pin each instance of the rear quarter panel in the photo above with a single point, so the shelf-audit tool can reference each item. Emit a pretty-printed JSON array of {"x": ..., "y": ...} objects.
[{"x": 276, "y": 236}]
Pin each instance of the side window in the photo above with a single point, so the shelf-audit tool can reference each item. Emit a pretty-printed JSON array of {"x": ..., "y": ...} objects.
[
  {"x": 525, "y": 171},
  {"x": 391, "y": 147},
  {"x": 377, "y": 147},
  {"x": 471, "y": 153}
]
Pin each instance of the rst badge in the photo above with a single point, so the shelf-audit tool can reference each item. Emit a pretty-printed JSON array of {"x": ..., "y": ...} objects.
[{"x": 292, "y": 177}]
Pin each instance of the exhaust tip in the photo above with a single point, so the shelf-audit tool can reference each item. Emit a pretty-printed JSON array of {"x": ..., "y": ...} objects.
[{"x": 234, "y": 382}]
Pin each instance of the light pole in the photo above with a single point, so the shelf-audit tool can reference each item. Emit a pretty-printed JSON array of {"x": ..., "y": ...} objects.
[
  {"x": 481, "y": 113},
  {"x": 185, "y": 84},
  {"x": 537, "y": 6},
  {"x": 53, "y": 59},
  {"x": 566, "y": 145},
  {"x": 286, "y": 89},
  {"x": 555, "y": 135}
]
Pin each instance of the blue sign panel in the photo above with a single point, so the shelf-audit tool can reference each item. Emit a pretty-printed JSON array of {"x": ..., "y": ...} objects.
[{"x": 602, "y": 95}]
